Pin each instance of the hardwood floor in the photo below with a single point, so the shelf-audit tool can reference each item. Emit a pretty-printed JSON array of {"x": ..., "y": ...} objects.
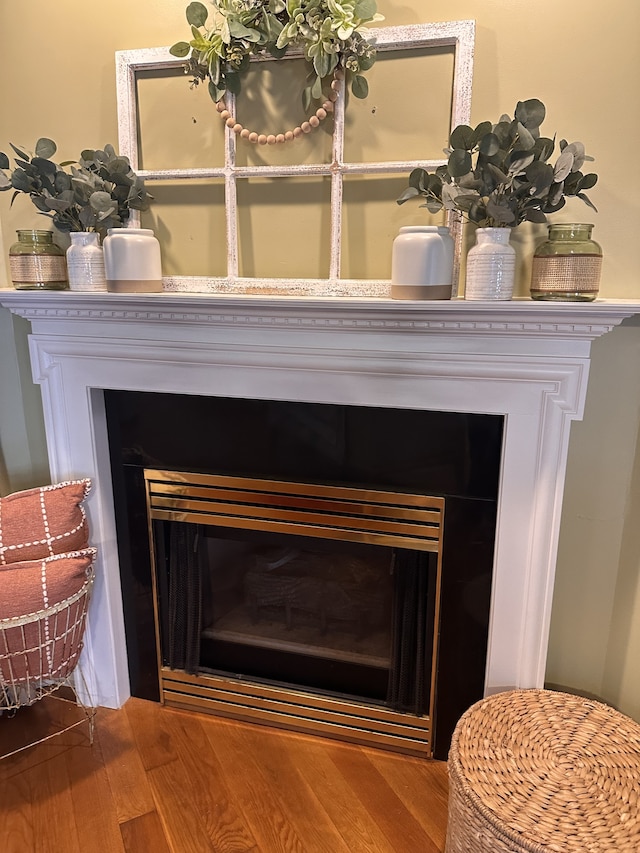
[{"x": 158, "y": 780}]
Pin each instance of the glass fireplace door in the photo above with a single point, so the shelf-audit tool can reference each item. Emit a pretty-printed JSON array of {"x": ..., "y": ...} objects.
[{"x": 308, "y": 606}]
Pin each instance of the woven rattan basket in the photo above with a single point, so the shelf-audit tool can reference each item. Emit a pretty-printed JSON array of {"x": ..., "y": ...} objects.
[{"x": 540, "y": 771}]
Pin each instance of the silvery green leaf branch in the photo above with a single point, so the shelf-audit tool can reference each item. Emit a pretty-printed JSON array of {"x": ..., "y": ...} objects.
[
  {"x": 329, "y": 32},
  {"x": 499, "y": 175},
  {"x": 98, "y": 192}
]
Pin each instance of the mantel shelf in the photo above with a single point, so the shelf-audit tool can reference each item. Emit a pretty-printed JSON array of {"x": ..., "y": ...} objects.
[{"x": 525, "y": 317}]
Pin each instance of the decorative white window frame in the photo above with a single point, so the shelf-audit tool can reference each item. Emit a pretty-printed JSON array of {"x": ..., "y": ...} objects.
[{"x": 457, "y": 34}]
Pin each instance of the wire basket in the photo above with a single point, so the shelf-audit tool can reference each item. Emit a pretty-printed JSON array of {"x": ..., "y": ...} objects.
[{"x": 40, "y": 651}]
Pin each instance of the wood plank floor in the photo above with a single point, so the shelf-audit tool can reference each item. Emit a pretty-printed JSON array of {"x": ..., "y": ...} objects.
[{"x": 158, "y": 780}]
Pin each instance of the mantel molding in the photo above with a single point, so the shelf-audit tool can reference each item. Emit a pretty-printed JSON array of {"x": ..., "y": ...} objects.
[{"x": 521, "y": 317}]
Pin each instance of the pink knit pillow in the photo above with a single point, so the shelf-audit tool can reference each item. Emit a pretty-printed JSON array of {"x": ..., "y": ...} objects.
[
  {"x": 45, "y": 646},
  {"x": 41, "y": 522}
]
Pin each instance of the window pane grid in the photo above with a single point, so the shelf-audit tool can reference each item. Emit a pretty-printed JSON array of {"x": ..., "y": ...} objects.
[{"x": 457, "y": 34}]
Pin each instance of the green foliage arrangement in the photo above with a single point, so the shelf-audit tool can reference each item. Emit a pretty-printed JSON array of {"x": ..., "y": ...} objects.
[
  {"x": 328, "y": 32},
  {"x": 511, "y": 180},
  {"x": 97, "y": 193}
]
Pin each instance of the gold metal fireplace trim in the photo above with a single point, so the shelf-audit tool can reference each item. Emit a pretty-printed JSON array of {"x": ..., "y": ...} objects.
[
  {"x": 394, "y": 519},
  {"x": 296, "y": 710},
  {"x": 329, "y": 512}
]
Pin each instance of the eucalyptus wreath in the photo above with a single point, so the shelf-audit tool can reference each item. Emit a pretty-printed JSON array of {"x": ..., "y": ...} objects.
[{"x": 327, "y": 31}]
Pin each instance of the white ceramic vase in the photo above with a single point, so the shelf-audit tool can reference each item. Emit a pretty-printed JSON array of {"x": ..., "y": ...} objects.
[
  {"x": 422, "y": 263},
  {"x": 85, "y": 262},
  {"x": 491, "y": 266},
  {"x": 132, "y": 261}
]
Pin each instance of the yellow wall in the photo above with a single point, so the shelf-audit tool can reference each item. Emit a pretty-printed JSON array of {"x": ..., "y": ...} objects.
[{"x": 57, "y": 64}]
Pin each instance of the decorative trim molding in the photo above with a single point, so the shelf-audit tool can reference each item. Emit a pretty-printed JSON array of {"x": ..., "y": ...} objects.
[{"x": 538, "y": 319}]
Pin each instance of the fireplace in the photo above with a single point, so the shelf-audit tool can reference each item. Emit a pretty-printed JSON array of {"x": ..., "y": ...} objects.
[
  {"x": 318, "y": 567},
  {"x": 525, "y": 362}
]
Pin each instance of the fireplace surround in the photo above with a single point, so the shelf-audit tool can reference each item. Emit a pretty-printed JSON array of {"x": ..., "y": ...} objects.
[
  {"x": 527, "y": 362},
  {"x": 339, "y": 493}
]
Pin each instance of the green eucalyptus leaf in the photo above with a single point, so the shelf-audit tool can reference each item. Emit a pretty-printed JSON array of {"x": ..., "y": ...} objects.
[
  {"x": 5, "y": 181},
  {"x": 322, "y": 65},
  {"x": 587, "y": 201},
  {"x": 277, "y": 52},
  {"x": 180, "y": 49},
  {"x": 459, "y": 163},
  {"x": 316, "y": 89},
  {"x": 4, "y": 161},
  {"x": 20, "y": 181},
  {"x": 519, "y": 160},
  {"x": 20, "y": 153},
  {"x": 234, "y": 83},
  {"x": 500, "y": 213},
  {"x": 532, "y": 214},
  {"x": 434, "y": 185},
  {"x": 239, "y": 31},
  {"x": 418, "y": 178},
  {"x": 45, "y": 148},
  {"x": 463, "y": 137},
  {"x": 470, "y": 182},
  {"x": 215, "y": 70},
  {"x": 588, "y": 181},
  {"x": 272, "y": 26},
  {"x": 503, "y": 131},
  {"x": 477, "y": 212},
  {"x": 525, "y": 138},
  {"x": 88, "y": 218},
  {"x": 366, "y": 62},
  {"x": 365, "y": 9},
  {"x": 197, "y": 14},
  {"x": 530, "y": 113},
  {"x": 543, "y": 148},
  {"x": 572, "y": 183},
  {"x": 101, "y": 202},
  {"x": 433, "y": 205},
  {"x": 409, "y": 193},
  {"x": 482, "y": 129},
  {"x": 554, "y": 197},
  {"x": 564, "y": 164},
  {"x": 540, "y": 176},
  {"x": 62, "y": 181},
  {"x": 216, "y": 93},
  {"x": 40, "y": 204},
  {"x": 489, "y": 144},
  {"x": 359, "y": 86},
  {"x": 307, "y": 98},
  {"x": 44, "y": 167}
]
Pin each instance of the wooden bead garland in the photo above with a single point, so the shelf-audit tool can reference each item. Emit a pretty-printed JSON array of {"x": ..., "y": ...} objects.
[{"x": 277, "y": 139}]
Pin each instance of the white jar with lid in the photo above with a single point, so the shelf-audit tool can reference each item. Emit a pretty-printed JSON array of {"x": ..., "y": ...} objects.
[
  {"x": 132, "y": 261},
  {"x": 422, "y": 263}
]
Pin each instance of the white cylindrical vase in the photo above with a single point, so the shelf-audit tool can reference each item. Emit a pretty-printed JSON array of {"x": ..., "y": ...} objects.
[
  {"x": 132, "y": 261},
  {"x": 85, "y": 262},
  {"x": 491, "y": 266},
  {"x": 422, "y": 263}
]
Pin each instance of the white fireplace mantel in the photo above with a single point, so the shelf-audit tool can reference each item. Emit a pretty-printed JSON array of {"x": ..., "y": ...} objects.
[{"x": 527, "y": 361}]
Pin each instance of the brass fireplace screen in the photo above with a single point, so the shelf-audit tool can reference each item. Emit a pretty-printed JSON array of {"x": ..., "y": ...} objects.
[{"x": 310, "y": 607}]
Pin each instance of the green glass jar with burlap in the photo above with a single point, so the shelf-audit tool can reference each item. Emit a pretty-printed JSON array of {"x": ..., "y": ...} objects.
[
  {"x": 567, "y": 266},
  {"x": 37, "y": 263}
]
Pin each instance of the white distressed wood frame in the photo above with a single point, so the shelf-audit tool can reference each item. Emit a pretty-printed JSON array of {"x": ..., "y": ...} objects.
[{"x": 457, "y": 34}]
